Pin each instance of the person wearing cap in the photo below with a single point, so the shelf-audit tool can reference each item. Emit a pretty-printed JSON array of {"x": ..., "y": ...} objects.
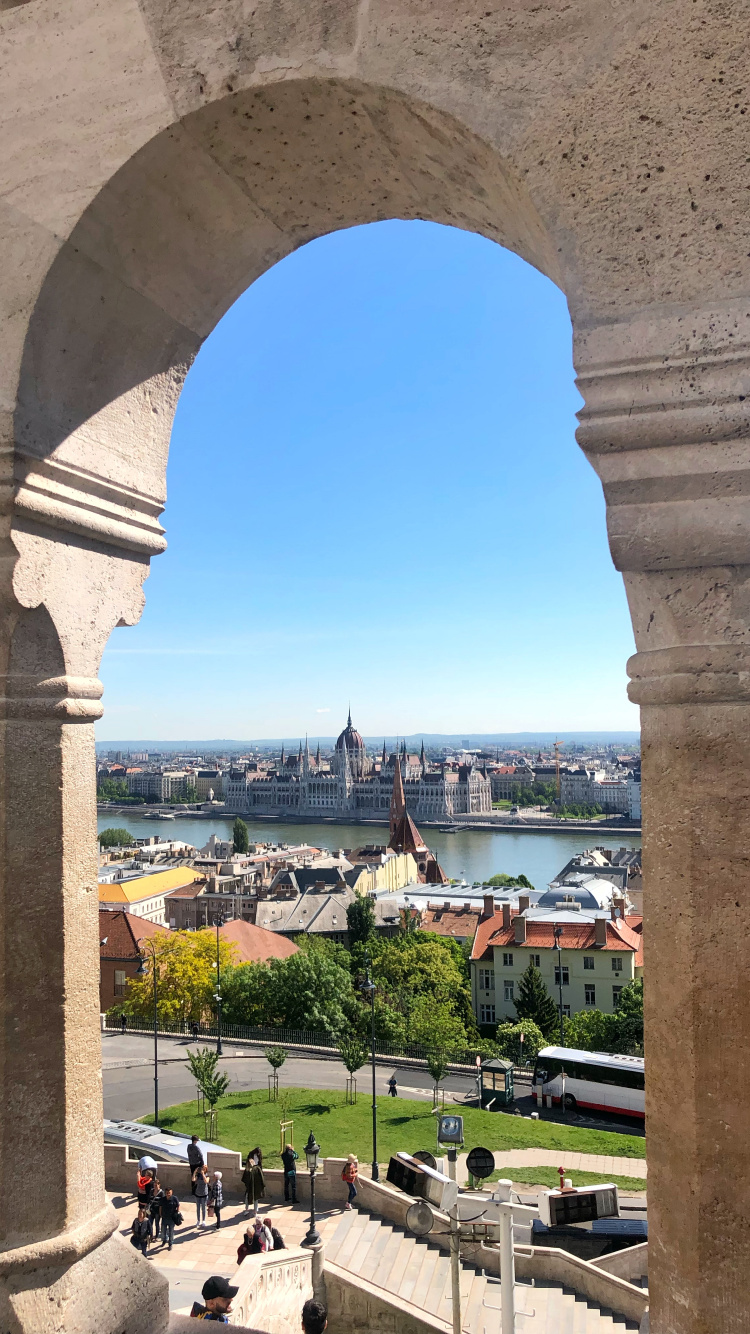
[{"x": 217, "y": 1294}]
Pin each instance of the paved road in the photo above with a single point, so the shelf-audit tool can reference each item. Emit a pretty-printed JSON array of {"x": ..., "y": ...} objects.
[
  {"x": 128, "y": 1074},
  {"x": 127, "y": 1062}
]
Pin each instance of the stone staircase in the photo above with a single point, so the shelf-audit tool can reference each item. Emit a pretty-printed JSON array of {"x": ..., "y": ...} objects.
[{"x": 412, "y": 1270}]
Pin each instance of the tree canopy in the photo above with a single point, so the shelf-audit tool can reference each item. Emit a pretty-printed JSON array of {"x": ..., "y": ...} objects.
[
  {"x": 186, "y": 978},
  {"x": 240, "y": 838},
  {"x": 534, "y": 1002},
  {"x": 503, "y": 881},
  {"x": 308, "y": 990},
  {"x": 116, "y": 838},
  {"x": 621, "y": 1032},
  {"x": 509, "y": 1045},
  {"x": 360, "y": 919}
]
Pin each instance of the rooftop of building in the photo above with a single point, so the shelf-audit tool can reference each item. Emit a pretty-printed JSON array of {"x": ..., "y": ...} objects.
[
  {"x": 146, "y": 886},
  {"x": 579, "y": 932},
  {"x": 120, "y": 931}
]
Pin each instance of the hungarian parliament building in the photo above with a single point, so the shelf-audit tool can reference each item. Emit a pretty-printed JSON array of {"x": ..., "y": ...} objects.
[{"x": 356, "y": 785}]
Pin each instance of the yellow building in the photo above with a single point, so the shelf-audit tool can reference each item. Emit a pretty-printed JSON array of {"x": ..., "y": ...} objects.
[{"x": 144, "y": 895}]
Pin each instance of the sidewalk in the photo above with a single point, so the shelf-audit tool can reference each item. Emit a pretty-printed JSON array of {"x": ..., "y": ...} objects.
[{"x": 572, "y": 1162}]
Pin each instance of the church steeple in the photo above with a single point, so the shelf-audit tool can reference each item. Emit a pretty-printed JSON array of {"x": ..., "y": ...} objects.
[
  {"x": 422, "y": 759},
  {"x": 317, "y": 756},
  {"x": 384, "y": 756},
  {"x": 282, "y": 755},
  {"x": 398, "y": 800}
]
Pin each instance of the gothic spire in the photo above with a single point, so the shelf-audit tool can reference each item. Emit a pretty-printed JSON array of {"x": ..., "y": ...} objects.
[{"x": 398, "y": 800}]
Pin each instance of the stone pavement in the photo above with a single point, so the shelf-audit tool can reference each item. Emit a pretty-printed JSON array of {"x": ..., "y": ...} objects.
[{"x": 198, "y": 1253}]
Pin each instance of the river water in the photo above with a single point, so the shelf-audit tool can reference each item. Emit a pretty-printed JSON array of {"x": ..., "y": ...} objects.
[{"x": 472, "y": 855}]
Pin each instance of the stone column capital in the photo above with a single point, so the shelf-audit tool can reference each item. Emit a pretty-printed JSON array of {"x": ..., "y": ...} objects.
[{"x": 666, "y": 427}]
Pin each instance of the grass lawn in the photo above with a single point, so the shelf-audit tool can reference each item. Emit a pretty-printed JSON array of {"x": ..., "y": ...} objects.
[
  {"x": 548, "y": 1176},
  {"x": 247, "y": 1119}
]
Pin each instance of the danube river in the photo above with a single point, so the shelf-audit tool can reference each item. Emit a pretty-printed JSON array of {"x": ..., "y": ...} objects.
[{"x": 472, "y": 855}]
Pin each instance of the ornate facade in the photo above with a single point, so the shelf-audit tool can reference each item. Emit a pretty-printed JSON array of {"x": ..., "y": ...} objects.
[{"x": 358, "y": 787}]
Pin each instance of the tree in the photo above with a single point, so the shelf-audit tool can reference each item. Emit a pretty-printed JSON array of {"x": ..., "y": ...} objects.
[
  {"x": 441, "y": 1034},
  {"x": 309, "y": 990},
  {"x": 629, "y": 1016},
  {"x": 276, "y": 1056},
  {"x": 509, "y": 1045},
  {"x": 354, "y": 1051},
  {"x": 360, "y": 919},
  {"x": 212, "y": 1085},
  {"x": 534, "y": 1002},
  {"x": 591, "y": 1030},
  {"x": 240, "y": 839},
  {"x": 503, "y": 881},
  {"x": 116, "y": 838},
  {"x": 186, "y": 978},
  {"x": 419, "y": 964}
]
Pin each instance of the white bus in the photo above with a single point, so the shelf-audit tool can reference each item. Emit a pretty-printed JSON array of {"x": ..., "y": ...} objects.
[{"x": 592, "y": 1079}]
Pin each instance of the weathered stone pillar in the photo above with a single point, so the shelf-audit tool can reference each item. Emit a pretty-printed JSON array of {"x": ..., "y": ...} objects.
[
  {"x": 666, "y": 427},
  {"x": 61, "y": 1269}
]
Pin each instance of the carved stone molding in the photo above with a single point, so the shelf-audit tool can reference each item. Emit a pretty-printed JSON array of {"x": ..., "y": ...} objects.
[{"x": 60, "y": 496}]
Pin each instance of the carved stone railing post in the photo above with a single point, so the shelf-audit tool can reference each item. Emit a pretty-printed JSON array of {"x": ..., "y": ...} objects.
[
  {"x": 61, "y": 1269},
  {"x": 666, "y": 426}
]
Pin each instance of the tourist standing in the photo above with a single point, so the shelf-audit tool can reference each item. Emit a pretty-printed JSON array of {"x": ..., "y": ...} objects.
[
  {"x": 169, "y": 1213},
  {"x": 289, "y": 1160},
  {"x": 141, "y": 1231},
  {"x": 349, "y": 1175},
  {"x": 195, "y": 1159},
  {"x": 216, "y": 1198},
  {"x": 200, "y": 1191}
]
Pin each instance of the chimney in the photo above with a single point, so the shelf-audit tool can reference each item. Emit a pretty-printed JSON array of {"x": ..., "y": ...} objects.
[
  {"x": 519, "y": 925},
  {"x": 601, "y": 930},
  {"x": 446, "y": 905},
  {"x": 489, "y": 906},
  {"x": 506, "y": 915},
  {"x": 523, "y": 902}
]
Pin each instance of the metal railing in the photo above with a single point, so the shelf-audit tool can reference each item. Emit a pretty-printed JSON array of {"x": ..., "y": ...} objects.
[{"x": 283, "y": 1037}]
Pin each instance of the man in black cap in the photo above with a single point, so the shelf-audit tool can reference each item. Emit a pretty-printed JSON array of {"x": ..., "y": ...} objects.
[{"x": 217, "y": 1294}]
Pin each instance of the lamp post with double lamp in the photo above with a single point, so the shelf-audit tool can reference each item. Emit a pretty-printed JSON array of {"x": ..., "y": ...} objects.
[
  {"x": 141, "y": 972},
  {"x": 368, "y": 986},
  {"x": 312, "y": 1150},
  {"x": 558, "y": 934},
  {"x": 217, "y": 993}
]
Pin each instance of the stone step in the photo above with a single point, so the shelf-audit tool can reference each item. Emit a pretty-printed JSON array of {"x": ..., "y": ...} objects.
[
  {"x": 353, "y": 1237},
  {"x": 388, "y": 1260},
  {"x": 399, "y": 1266},
  {"x": 426, "y": 1274},
  {"x": 411, "y": 1273},
  {"x": 440, "y": 1278},
  {"x": 371, "y": 1268},
  {"x": 371, "y": 1230},
  {"x": 472, "y": 1311}
]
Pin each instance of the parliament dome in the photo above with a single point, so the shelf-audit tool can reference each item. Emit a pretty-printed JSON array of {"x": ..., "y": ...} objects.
[{"x": 350, "y": 738}]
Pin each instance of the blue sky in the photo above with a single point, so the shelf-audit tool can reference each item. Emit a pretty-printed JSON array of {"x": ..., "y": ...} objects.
[{"x": 375, "y": 494}]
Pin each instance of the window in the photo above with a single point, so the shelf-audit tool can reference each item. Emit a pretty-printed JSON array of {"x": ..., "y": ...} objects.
[
  {"x": 590, "y": 992},
  {"x": 487, "y": 1014},
  {"x": 508, "y": 991},
  {"x": 565, "y": 976},
  {"x": 536, "y": 959},
  {"x": 588, "y": 963},
  {"x": 486, "y": 979},
  {"x": 617, "y": 965},
  {"x": 119, "y": 982},
  {"x": 507, "y": 961},
  {"x": 616, "y": 994},
  {"x": 566, "y": 1011}
]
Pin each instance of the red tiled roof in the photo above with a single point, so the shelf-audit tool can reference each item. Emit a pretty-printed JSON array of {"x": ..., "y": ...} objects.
[
  {"x": 253, "y": 944},
  {"x": 453, "y": 921},
  {"x": 541, "y": 935},
  {"x": 122, "y": 930}
]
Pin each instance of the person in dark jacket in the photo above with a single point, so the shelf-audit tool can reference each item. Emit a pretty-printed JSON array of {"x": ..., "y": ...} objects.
[
  {"x": 253, "y": 1179},
  {"x": 250, "y": 1245},
  {"x": 155, "y": 1198},
  {"x": 276, "y": 1237},
  {"x": 141, "y": 1230},
  {"x": 216, "y": 1197},
  {"x": 392, "y": 1087},
  {"x": 289, "y": 1160},
  {"x": 169, "y": 1208},
  {"x": 195, "y": 1159}
]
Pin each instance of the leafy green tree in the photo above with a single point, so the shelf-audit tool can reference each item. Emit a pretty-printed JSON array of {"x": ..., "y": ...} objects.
[
  {"x": 276, "y": 1056},
  {"x": 115, "y": 838},
  {"x": 308, "y": 990},
  {"x": 629, "y": 1016},
  {"x": 509, "y": 1045},
  {"x": 441, "y": 1034},
  {"x": 503, "y": 881},
  {"x": 186, "y": 966},
  {"x": 212, "y": 1085},
  {"x": 360, "y": 919},
  {"x": 422, "y": 964},
  {"x": 534, "y": 1002},
  {"x": 354, "y": 1051},
  {"x": 592, "y": 1030},
  {"x": 240, "y": 839}
]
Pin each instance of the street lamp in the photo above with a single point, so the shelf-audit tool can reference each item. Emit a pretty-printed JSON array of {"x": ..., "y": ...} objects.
[
  {"x": 368, "y": 986},
  {"x": 141, "y": 972},
  {"x": 312, "y": 1149},
  {"x": 217, "y": 993},
  {"x": 558, "y": 933}
]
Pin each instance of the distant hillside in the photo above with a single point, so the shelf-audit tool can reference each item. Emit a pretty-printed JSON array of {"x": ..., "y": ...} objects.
[{"x": 466, "y": 740}]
